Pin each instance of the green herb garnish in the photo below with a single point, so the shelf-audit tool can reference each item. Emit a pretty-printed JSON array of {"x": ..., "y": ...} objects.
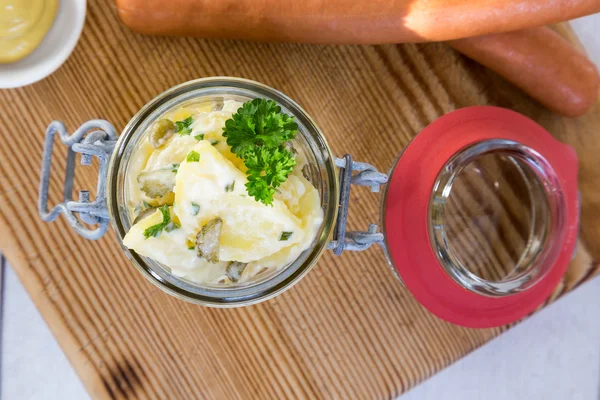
[
  {"x": 184, "y": 127},
  {"x": 195, "y": 209},
  {"x": 285, "y": 236},
  {"x": 229, "y": 188},
  {"x": 214, "y": 142},
  {"x": 174, "y": 167},
  {"x": 257, "y": 133},
  {"x": 167, "y": 224},
  {"x": 193, "y": 156},
  {"x": 199, "y": 137}
]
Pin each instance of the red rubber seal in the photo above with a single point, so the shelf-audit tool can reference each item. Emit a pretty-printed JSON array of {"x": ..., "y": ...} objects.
[{"x": 406, "y": 214}]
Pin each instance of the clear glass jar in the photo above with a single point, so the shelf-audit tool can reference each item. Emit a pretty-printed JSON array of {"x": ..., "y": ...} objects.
[
  {"x": 464, "y": 227},
  {"x": 321, "y": 172}
]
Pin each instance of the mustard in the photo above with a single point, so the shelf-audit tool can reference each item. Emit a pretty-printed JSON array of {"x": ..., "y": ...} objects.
[{"x": 23, "y": 25}]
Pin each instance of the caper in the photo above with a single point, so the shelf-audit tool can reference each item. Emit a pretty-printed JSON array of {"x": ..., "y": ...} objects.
[
  {"x": 207, "y": 240},
  {"x": 160, "y": 132},
  {"x": 157, "y": 183},
  {"x": 234, "y": 270}
]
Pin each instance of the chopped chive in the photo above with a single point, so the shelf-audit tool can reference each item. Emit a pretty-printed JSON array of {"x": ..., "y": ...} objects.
[
  {"x": 155, "y": 230},
  {"x": 199, "y": 137},
  {"x": 193, "y": 156},
  {"x": 214, "y": 142},
  {"x": 184, "y": 127},
  {"x": 229, "y": 188},
  {"x": 195, "y": 209},
  {"x": 285, "y": 236},
  {"x": 174, "y": 167}
]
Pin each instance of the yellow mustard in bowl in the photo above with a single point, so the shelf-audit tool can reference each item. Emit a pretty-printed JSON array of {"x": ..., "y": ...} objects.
[{"x": 23, "y": 25}]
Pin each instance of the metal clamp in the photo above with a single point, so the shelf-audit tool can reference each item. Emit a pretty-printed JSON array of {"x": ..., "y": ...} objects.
[
  {"x": 367, "y": 176},
  {"x": 93, "y": 138}
]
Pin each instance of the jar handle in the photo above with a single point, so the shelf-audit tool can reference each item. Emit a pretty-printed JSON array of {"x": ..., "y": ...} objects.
[
  {"x": 93, "y": 138},
  {"x": 367, "y": 175}
]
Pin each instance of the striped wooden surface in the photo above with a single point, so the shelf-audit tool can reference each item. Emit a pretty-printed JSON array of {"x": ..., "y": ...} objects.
[{"x": 347, "y": 330}]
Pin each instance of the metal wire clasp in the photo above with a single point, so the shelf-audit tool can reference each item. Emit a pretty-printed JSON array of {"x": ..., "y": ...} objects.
[
  {"x": 93, "y": 138},
  {"x": 367, "y": 176}
]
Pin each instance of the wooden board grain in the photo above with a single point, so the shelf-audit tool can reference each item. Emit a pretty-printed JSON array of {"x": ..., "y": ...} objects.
[{"x": 347, "y": 330}]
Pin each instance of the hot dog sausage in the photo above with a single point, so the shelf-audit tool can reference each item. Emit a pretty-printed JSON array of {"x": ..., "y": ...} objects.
[
  {"x": 345, "y": 21},
  {"x": 542, "y": 63}
]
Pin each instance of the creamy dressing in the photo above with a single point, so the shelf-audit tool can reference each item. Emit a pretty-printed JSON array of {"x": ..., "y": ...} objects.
[{"x": 263, "y": 238}]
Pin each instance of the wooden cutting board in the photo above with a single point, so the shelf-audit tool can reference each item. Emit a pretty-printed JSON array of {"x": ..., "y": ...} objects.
[{"x": 347, "y": 330}]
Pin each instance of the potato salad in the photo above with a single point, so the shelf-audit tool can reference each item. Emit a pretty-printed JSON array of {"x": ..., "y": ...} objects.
[{"x": 218, "y": 195}]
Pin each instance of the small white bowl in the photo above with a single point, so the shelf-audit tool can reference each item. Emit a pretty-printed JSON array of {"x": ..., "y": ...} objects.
[{"x": 52, "y": 52}]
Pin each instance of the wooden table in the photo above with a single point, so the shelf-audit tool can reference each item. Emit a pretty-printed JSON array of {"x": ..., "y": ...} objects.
[{"x": 349, "y": 329}]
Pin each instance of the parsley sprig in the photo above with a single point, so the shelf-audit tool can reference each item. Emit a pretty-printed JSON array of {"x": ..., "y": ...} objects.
[
  {"x": 257, "y": 133},
  {"x": 166, "y": 224}
]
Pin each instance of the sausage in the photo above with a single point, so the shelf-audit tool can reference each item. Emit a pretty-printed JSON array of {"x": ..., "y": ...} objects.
[
  {"x": 537, "y": 60},
  {"x": 344, "y": 21},
  {"x": 540, "y": 62}
]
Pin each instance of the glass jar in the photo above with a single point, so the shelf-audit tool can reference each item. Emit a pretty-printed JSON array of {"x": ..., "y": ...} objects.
[
  {"x": 310, "y": 141},
  {"x": 479, "y": 212}
]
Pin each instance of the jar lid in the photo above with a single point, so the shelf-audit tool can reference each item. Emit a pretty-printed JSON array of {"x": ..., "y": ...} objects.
[{"x": 409, "y": 213}]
